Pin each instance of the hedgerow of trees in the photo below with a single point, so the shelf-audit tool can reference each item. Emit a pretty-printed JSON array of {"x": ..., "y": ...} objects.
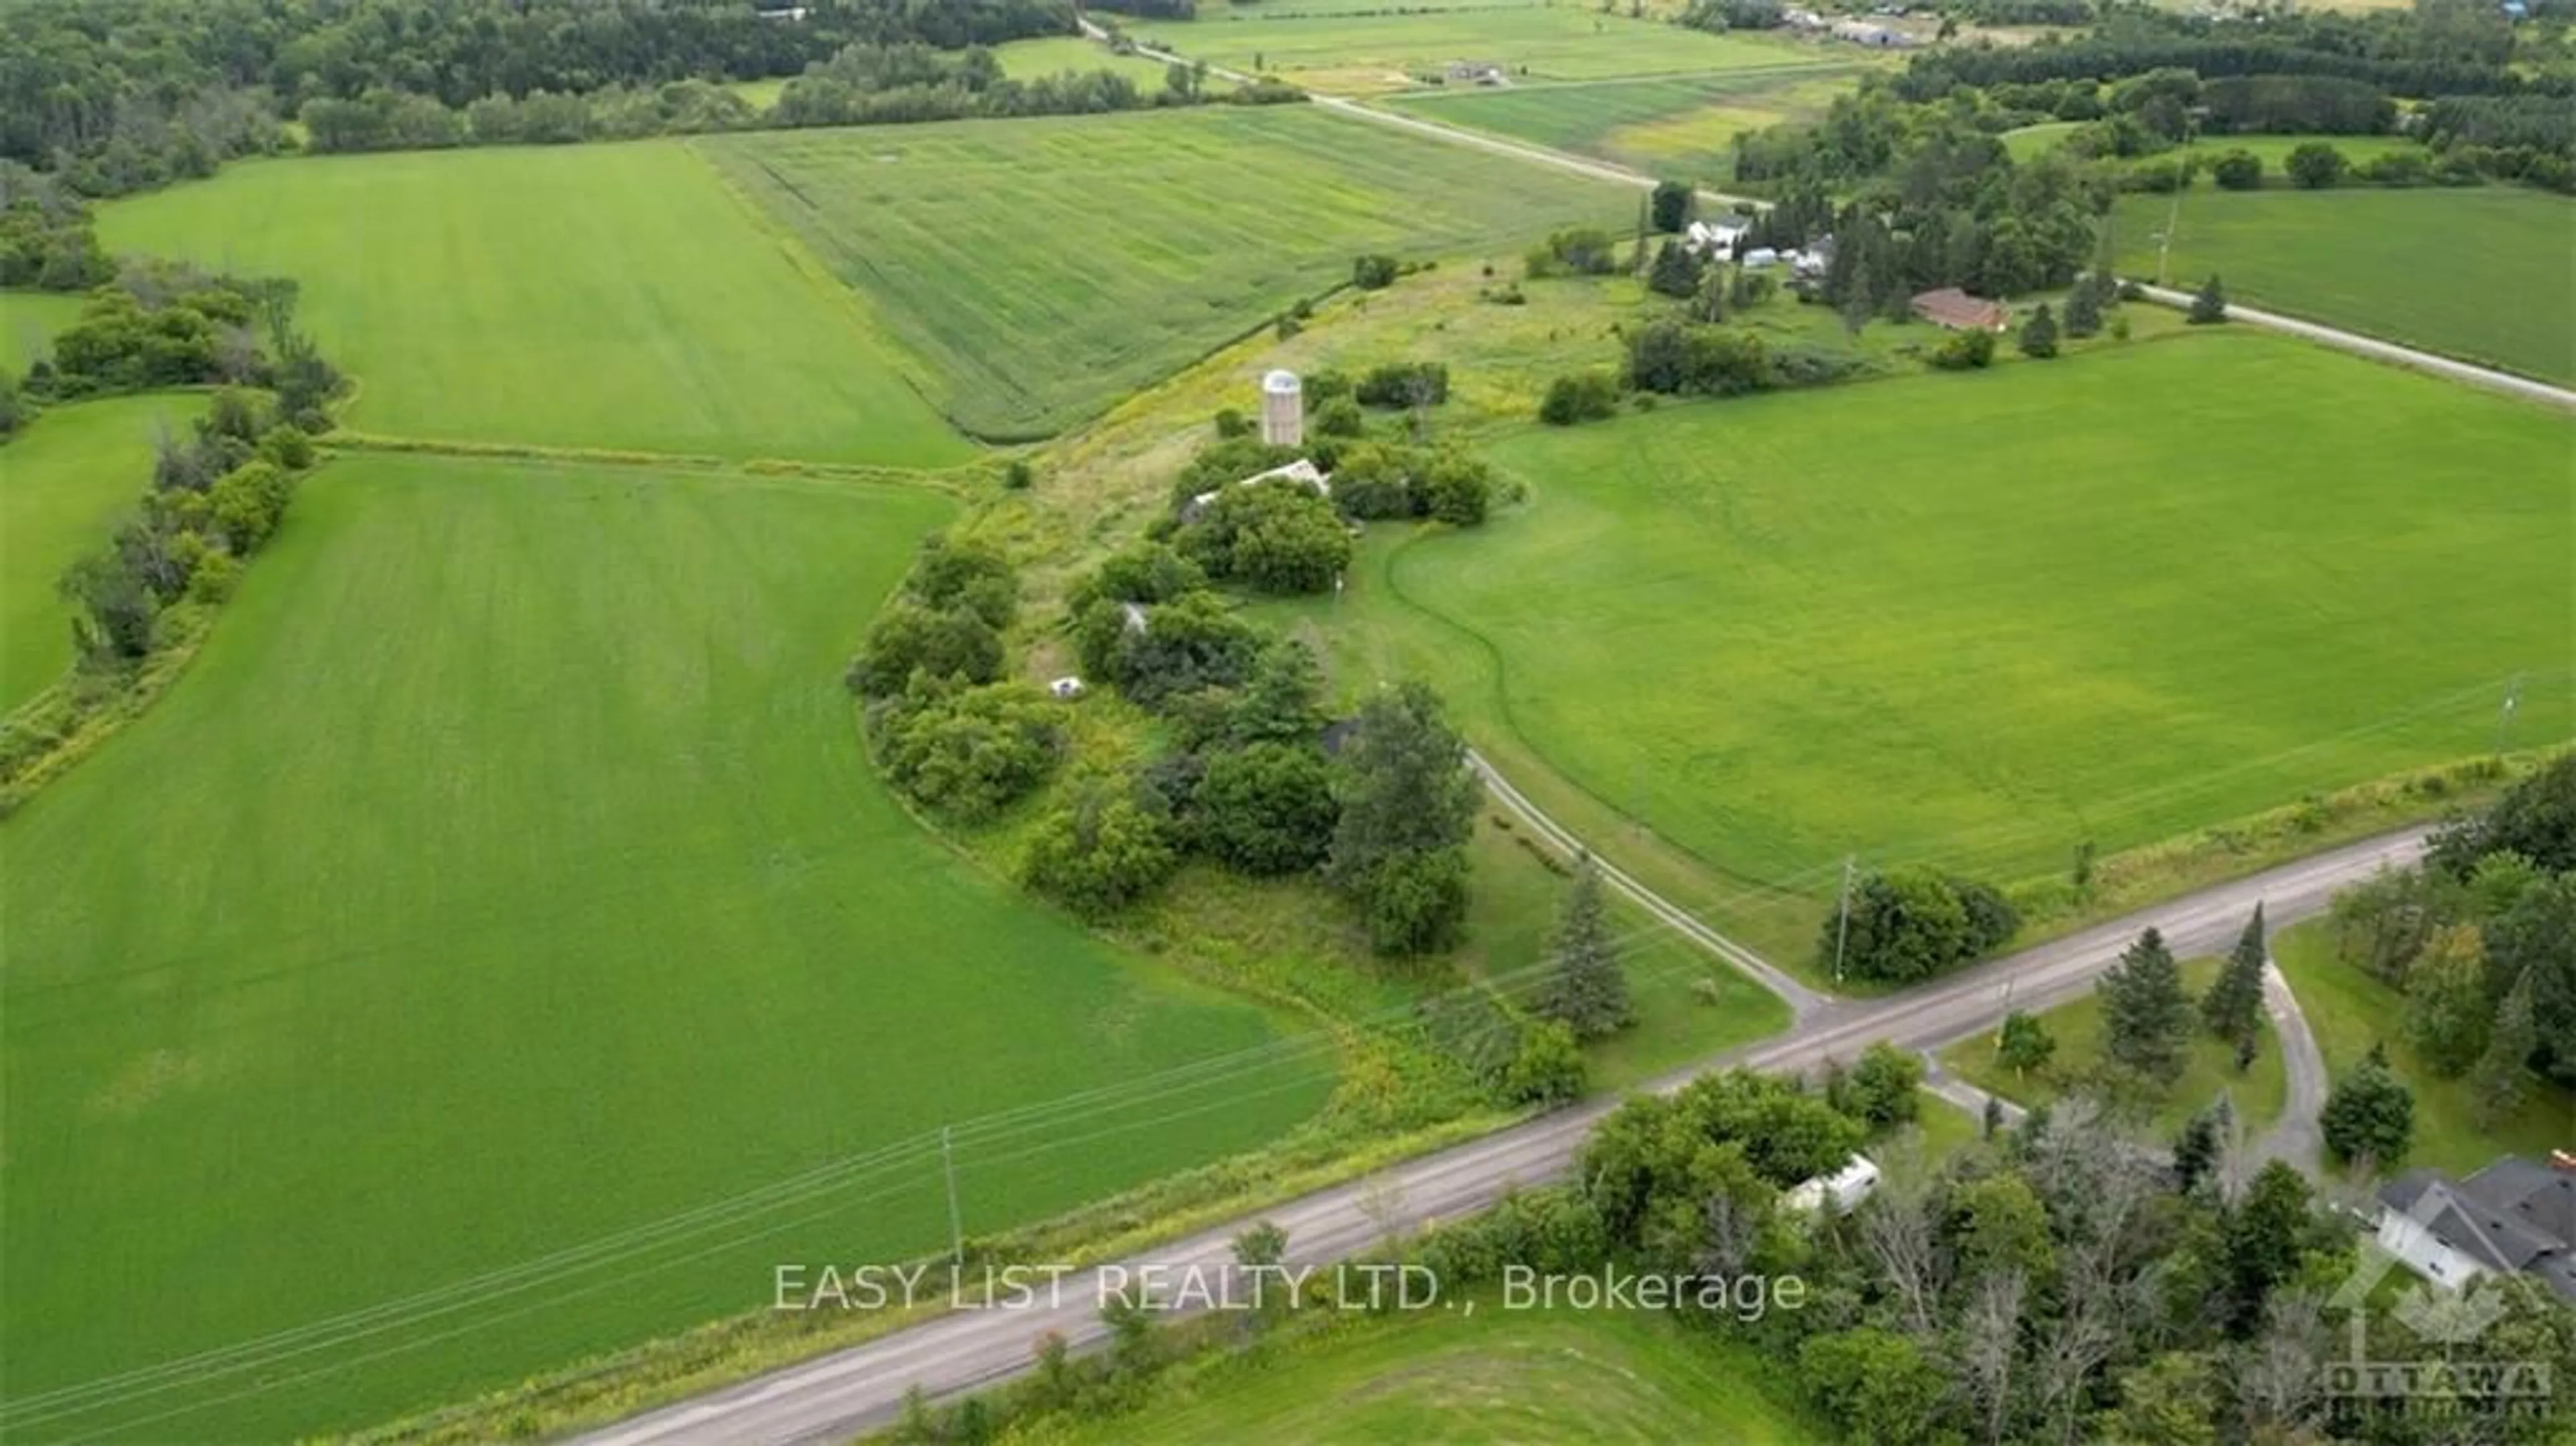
[{"x": 216, "y": 495}]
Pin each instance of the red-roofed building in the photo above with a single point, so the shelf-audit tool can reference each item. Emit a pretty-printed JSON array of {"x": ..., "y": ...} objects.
[{"x": 1959, "y": 311}]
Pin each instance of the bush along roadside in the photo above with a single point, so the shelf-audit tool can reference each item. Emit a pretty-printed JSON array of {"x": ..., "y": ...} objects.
[{"x": 143, "y": 601}]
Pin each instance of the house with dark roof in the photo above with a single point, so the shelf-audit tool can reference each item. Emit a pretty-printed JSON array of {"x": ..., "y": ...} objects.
[
  {"x": 1959, "y": 311},
  {"x": 2516, "y": 1216}
]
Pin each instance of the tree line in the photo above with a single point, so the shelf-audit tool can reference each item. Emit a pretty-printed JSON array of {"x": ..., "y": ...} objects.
[
  {"x": 215, "y": 497},
  {"x": 122, "y": 95}
]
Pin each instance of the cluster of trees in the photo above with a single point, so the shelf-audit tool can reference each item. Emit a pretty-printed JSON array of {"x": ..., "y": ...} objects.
[
  {"x": 170, "y": 325},
  {"x": 1392, "y": 480},
  {"x": 216, "y": 497},
  {"x": 47, "y": 241},
  {"x": 2150, "y": 1021},
  {"x": 1903, "y": 925},
  {"x": 950, "y": 732},
  {"x": 2051, "y": 1285},
  {"x": 1247, "y": 782},
  {"x": 2482, "y": 941},
  {"x": 1576, "y": 251}
]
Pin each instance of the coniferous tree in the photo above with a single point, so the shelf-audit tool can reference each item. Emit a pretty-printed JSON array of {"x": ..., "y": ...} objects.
[
  {"x": 2210, "y": 306},
  {"x": 2501, "y": 1079},
  {"x": 2083, "y": 309},
  {"x": 2038, "y": 338},
  {"x": 1585, "y": 987},
  {"x": 2369, "y": 1113},
  {"x": 1676, "y": 272},
  {"x": 2233, "y": 1008},
  {"x": 2146, "y": 1016}
]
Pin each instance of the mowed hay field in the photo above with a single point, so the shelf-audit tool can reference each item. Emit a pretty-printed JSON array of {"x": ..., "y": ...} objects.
[
  {"x": 2481, "y": 274},
  {"x": 504, "y": 876},
  {"x": 1671, "y": 125},
  {"x": 1978, "y": 619},
  {"x": 606, "y": 296},
  {"x": 1453, "y": 1375},
  {"x": 63, "y": 484},
  {"x": 1365, "y": 52},
  {"x": 1046, "y": 268}
]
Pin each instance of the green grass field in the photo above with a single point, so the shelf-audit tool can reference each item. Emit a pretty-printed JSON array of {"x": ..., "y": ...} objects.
[
  {"x": 28, "y": 321},
  {"x": 2480, "y": 274},
  {"x": 610, "y": 296},
  {"x": 1669, "y": 125},
  {"x": 506, "y": 874},
  {"x": 1368, "y": 52},
  {"x": 1028, "y": 59},
  {"x": 1371, "y": 52},
  {"x": 2031, "y": 142},
  {"x": 68, "y": 477},
  {"x": 1047, "y": 267},
  {"x": 2256, "y": 1095},
  {"x": 1978, "y": 619},
  {"x": 1453, "y": 1375},
  {"x": 2349, "y": 1012}
]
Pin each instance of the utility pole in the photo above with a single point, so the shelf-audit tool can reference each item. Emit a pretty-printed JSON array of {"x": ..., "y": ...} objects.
[
  {"x": 956, "y": 1229},
  {"x": 2504, "y": 715},
  {"x": 1842, "y": 927}
]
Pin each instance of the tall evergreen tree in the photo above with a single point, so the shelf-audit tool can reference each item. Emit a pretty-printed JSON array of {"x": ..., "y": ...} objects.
[
  {"x": 2146, "y": 1016},
  {"x": 2369, "y": 1113},
  {"x": 2233, "y": 1008},
  {"x": 2083, "y": 308},
  {"x": 2501, "y": 1079},
  {"x": 1676, "y": 272},
  {"x": 1585, "y": 986},
  {"x": 2039, "y": 334},
  {"x": 2209, "y": 306}
]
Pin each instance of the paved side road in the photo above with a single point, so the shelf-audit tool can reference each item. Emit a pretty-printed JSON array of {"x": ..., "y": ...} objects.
[
  {"x": 2297, "y": 1137},
  {"x": 835, "y": 1396},
  {"x": 1803, "y": 1000},
  {"x": 2371, "y": 346}
]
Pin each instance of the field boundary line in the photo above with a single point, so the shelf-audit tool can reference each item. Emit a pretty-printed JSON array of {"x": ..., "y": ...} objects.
[
  {"x": 2474, "y": 373},
  {"x": 778, "y": 469}
]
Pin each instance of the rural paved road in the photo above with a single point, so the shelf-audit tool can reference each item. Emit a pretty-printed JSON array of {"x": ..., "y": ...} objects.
[
  {"x": 2388, "y": 351},
  {"x": 834, "y": 1396}
]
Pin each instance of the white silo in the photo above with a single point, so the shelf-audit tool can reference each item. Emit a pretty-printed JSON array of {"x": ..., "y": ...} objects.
[{"x": 1283, "y": 410}]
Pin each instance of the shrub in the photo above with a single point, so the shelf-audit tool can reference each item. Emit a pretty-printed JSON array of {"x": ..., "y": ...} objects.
[
  {"x": 1680, "y": 357},
  {"x": 1018, "y": 476},
  {"x": 1373, "y": 271},
  {"x": 1417, "y": 901},
  {"x": 2039, "y": 334},
  {"x": 1404, "y": 384},
  {"x": 1231, "y": 424},
  {"x": 1547, "y": 1070},
  {"x": 1268, "y": 808},
  {"x": 1583, "y": 396},
  {"x": 1340, "y": 417},
  {"x": 2209, "y": 307},
  {"x": 2238, "y": 171},
  {"x": 1912, "y": 924},
  {"x": 1965, "y": 351},
  {"x": 1581, "y": 251},
  {"x": 1100, "y": 854},
  {"x": 2314, "y": 165},
  {"x": 939, "y": 643},
  {"x": 1457, "y": 489},
  {"x": 967, "y": 753}
]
